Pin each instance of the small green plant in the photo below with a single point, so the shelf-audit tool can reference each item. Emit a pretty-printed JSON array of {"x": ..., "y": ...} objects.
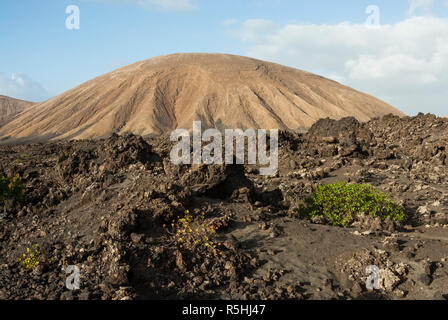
[
  {"x": 22, "y": 158},
  {"x": 11, "y": 188},
  {"x": 339, "y": 204},
  {"x": 30, "y": 258},
  {"x": 193, "y": 232}
]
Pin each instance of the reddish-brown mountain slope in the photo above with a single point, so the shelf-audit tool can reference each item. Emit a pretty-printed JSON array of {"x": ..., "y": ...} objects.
[
  {"x": 9, "y": 107},
  {"x": 168, "y": 92}
]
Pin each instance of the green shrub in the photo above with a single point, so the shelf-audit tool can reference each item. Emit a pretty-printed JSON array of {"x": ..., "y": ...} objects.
[
  {"x": 340, "y": 204},
  {"x": 11, "y": 188}
]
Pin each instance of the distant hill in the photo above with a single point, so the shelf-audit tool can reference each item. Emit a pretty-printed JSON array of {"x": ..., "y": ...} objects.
[
  {"x": 10, "y": 107},
  {"x": 168, "y": 92}
]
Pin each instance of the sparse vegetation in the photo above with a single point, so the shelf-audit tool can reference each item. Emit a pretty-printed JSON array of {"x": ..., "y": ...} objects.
[
  {"x": 30, "y": 258},
  {"x": 22, "y": 158},
  {"x": 340, "y": 204},
  {"x": 11, "y": 188},
  {"x": 194, "y": 232},
  {"x": 116, "y": 234}
]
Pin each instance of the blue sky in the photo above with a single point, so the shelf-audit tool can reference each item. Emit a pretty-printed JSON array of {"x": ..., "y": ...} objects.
[{"x": 404, "y": 62}]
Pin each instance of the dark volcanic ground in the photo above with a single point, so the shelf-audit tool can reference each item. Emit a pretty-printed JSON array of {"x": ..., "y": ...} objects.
[{"x": 107, "y": 207}]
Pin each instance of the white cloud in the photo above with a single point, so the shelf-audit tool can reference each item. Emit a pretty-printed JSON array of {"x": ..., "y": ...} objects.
[
  {"x": 176, "y": 5},
  {"x": 405, "y": 63},
  {"x": 21, "y": 86},
  {"x": 425, "y": 5}
]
